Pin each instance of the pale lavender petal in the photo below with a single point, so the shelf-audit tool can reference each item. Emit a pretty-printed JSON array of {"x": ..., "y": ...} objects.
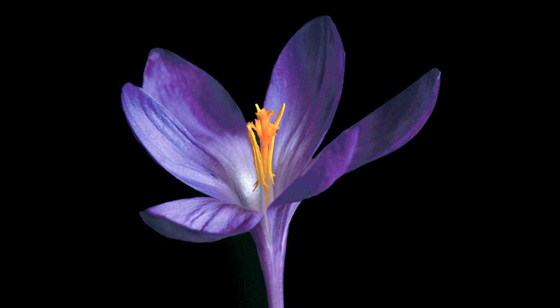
[
  {"x": 325, "y": 169},
  {"x": 200, "y": 219},
  {"x": 172, "y": 147},
  {"x": 207, "y": 112},
  {"x": 396, "y": 122},
  {"x": 308, "y": 78}
]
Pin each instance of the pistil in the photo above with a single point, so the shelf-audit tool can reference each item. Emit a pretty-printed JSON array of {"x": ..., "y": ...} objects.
[{"x": 263, "y": 149}]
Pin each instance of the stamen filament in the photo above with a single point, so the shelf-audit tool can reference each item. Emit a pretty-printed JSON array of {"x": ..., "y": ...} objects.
[{"x": 280, "y": 114}]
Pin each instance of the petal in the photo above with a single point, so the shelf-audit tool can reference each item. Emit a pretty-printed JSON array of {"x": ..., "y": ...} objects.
[
  {"x": 200, "y": 219},
  {"x": 308, "y": 77},
  {"x": 172, "y": 146},
  {"x": 207, "y": 112},
  {"x": 396, "y": 122},
  {"x": 325, "y": 169},
  {"x": 196, "y": 99},
  {"x": 383, "y": 131}
]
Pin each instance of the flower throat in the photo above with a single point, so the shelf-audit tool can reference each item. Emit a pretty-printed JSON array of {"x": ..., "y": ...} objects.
[{"x": 263, "y": 150}]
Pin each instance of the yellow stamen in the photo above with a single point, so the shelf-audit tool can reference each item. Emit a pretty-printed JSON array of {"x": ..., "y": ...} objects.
[{"x": 264, "y": 149}]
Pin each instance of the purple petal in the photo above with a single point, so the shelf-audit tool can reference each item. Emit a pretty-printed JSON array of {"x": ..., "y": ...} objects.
[
  {"x": 396, "y": 122},
  {"x": 308, "y": 78},
  {"x": 325, "y": 169},
  {"x": 383, "y": 131},
  {"x": 172, "y": 146},
  {"x": 200, "y": 219},
  {"x": 207, "y": 112},
  {"x": 196, "y": 99}
]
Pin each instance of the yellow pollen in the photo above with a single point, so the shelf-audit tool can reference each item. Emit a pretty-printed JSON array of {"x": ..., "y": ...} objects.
[{"x": 263, "y": 150}]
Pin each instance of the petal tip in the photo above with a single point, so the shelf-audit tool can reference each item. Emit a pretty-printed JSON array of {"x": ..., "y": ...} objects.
[
  {"x": 436, "y": 73},
  {"x": 322, "y": 22},
  {"x": 324, "y": 18},
  {"x": 157, "y": 52},
  {"x": 329, "y": 23},
  {"x": 127, "y": 87},
  {"x": 160, "y": 54},
  {"x": 128, "y": 90}
]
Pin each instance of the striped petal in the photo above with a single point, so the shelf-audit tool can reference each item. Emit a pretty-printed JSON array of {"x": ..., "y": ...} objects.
[{"x": 200, "y": 219}]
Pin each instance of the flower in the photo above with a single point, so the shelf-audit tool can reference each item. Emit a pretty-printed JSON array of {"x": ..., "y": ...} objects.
[{"x": 256, "y": 174}]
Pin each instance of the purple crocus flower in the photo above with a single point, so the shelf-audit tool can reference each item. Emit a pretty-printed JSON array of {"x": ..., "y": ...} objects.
[{"x": 257, "y": 174}]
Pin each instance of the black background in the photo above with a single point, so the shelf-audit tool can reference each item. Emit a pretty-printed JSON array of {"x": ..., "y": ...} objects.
[{"x": 408, "y": 228}]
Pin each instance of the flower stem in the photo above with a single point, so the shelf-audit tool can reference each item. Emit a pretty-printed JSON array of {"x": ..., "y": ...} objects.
[
  {"x": 271, "y": 257},
  {"x": 270, "y": 237},
  {"x": 273, "y": 271}
]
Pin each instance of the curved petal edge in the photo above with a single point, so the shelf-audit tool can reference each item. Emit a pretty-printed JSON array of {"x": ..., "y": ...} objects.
[
  {"x": 195, "y": 98},
  {"x": 200, "y": 219},
  {"x": 172, "y": 146},
  {"x": 396, "y": 122},
  {"x": 307, "y": 77},
  {"x": 323, "y": 171}
]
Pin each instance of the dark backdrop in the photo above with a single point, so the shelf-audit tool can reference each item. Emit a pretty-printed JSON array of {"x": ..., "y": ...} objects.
[{"x": 407, "y": 228}]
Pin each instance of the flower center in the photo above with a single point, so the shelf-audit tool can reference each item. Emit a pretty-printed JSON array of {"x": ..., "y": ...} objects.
[{"x": 263, "y": 150}]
